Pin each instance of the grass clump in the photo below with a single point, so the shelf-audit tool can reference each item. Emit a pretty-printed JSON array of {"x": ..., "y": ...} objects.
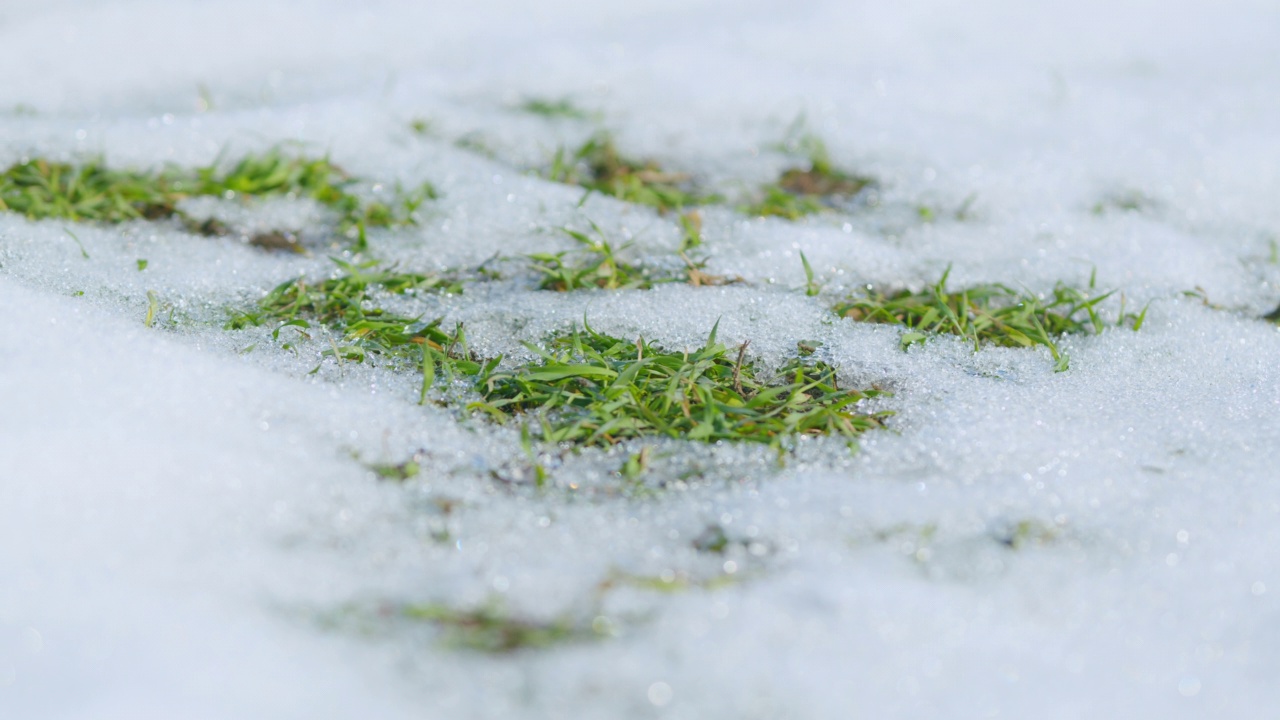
[
  {"x": 991, "y": 314},
  {"x": 42, "y": 189},
  {"x": 777, "y": 202},
  {"x": 595, "y": 264},
  {"x": 799, "y": 191},
  {"x": 557, "y": 109},
  {"x": 598, "y": 166},
  {"x": 1125, "y": 201},
  {"x": 490, "y": 629},
  {"x": 346, "y": 304},
  {"x": 595, "y": 390},
  {"x": 397, "y": 472},
  {"x": 93, "y": 192}
]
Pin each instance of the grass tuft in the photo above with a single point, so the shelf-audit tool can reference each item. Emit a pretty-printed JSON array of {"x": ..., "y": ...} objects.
[
  {"x": 345, "y": 304},
  {"x": 558, "y": 109},
  {"x": 596, "y": 390},
  {"x": 777, "y": 202},
  {"x": 799, "y": 191},
  {"x": 92, "y": 192},
  {"x": 42, "y": 189},
  {"x": 595, "y": 264},
  {"x": 598, "y": 166},
  {"x": 1126, "y": 201},
  {"x": 490, "y": 629},
  {"x": 397, "y": 472},
  {"x": 991, "y": 314}
]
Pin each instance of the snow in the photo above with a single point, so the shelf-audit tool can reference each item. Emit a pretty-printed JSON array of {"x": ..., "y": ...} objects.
[{"x": 186, "y": 531}]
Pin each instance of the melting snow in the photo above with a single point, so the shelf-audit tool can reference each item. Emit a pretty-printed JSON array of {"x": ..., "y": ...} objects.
[{"x": 186, "y": 531}]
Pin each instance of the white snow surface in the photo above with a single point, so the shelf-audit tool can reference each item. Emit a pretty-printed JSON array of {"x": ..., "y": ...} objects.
[{"x": 186, "y": 527}]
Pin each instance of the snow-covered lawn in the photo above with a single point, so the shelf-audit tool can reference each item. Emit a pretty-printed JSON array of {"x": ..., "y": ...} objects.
[{"x": 189, "y": 525}]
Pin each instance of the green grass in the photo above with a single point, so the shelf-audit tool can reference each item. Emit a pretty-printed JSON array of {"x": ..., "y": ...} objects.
[
  {"x": 991, "y": 314},
  {"x": 490, "y": 629},
  {"x": 420, "y": 126},
  {"x": 777, "y": 202},
  {"x": 934, "y": 213},
  {"x": 595, "y": 264},
  {"x": 598, "y": 166},
  {"x": 92, "y": 192},
  {"x": 41, "y": 189},
  {"x": 1125, "y": 201},
  {"x": 595, "y": 390},
  {"x": 347, "y": 305},
  {"x": 799, "y": 191},
  {"x": 396, "y": 472},
  {"x": 558, "y": 109}
]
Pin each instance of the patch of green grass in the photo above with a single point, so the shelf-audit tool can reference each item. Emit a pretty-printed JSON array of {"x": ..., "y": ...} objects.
[
  {"x": 420, "y": 126},
  {"x": 799, "y": 190},
  {"x": 598, "y": 166},
  {"x": 777, "y": 202},
  {"x": 595, "y": 390},
  {"x": 560, "y": 109},
  {"x": 42, "y": 189},
  {"x": 491, "y": 629},
  {"x": 347, "y": 305},
  {"x": 93, "y": 192},
  {"x": 595, "y": 264},
  {"x": 984, "y": 314},
  {"x": 396, "y": 472},
  {"x": 1125, "y": 201},
  {"x": 401, "y": 210}
]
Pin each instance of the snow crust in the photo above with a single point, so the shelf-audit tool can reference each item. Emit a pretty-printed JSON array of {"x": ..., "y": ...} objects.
[{"x": 186, "y": 525}]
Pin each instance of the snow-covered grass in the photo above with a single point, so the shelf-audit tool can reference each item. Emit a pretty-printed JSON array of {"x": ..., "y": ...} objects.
[{"x": 210, "y": 518}]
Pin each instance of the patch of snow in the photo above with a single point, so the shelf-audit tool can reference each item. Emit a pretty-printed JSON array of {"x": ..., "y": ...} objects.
[{"x": 188, "y": 528}]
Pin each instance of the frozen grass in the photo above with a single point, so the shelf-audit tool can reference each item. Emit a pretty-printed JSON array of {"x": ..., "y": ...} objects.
[
  {"x": 800, "y": 191},
  {"x": 592, "y": 389},
  {"x": 556, "y": 109},
  {"x": 492, "y": 630},
  {"x": 595, "y": 264},
  {"x": 347, "y": 305},
  {"x": 599, "y": 166},
  {"x": 91, "y": 192},
  {"x": 987, "y": 314}
]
